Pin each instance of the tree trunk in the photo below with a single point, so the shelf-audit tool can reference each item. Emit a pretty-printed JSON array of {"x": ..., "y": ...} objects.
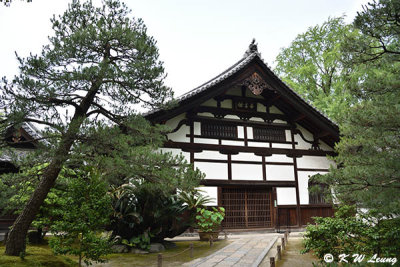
[
  {"x": 17, "y": 236},
  {"x": 16, "y": 242}
]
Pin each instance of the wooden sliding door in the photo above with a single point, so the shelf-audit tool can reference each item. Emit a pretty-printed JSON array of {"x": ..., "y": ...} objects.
[{"x": 246, "y": 208}]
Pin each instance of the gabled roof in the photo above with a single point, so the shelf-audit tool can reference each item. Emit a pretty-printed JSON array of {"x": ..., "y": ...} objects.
[{"x": 251, "y": 60}]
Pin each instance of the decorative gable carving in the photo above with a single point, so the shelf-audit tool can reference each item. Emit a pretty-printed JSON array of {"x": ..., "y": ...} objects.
[{"x": 256, "y": 84}]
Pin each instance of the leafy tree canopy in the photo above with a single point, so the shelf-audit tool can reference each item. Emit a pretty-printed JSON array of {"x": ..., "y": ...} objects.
[
  {"x": 369, "y": 150},
  {"x": 313, "y": 65}
]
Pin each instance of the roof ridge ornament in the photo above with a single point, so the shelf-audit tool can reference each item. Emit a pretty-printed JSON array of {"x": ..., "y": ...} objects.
[{"x": 252, "y": 48}]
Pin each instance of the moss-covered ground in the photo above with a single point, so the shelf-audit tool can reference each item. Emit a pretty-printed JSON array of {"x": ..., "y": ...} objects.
[
  {"x": 171, "y": 257},
  {"x": 35, "y": 256},
  {"x": 42, "y": 256}
]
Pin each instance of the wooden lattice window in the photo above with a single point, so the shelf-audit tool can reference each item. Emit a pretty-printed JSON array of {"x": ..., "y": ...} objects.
[
  {"x": 317, "y": 194},
  {"x": 218, "y": 130},
  {"x": 269, "y": 134}
]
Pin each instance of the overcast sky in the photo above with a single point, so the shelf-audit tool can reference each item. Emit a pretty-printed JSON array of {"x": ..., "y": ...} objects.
[{"x": 197, "y": 39}]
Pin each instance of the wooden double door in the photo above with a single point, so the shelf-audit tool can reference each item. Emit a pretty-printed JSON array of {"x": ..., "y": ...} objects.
[{"x": 247, "y": 208}]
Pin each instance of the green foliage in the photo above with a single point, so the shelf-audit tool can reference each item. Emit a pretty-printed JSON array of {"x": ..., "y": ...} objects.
[
  {"x": 379, "y": 23},
  {"x": 313, "y": 65},
  {"x": 86, "y": 210},
  {"x": 194, "y": 199},
  {"x": 369, "y": 149},
  {"x": 141, "y": 212},
  {"x": 141, "y": 241},
  {"x": 347, "y": 233},
  {"x": 51, "y": 208},
  {"x": 209, "y": 220}
]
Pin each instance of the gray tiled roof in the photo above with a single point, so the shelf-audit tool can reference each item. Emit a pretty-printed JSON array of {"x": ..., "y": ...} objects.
[{"x": 250, "y": 54}]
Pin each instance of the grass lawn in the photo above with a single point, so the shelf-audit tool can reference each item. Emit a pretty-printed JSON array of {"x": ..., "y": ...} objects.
[{"x": 41, "y": 255}]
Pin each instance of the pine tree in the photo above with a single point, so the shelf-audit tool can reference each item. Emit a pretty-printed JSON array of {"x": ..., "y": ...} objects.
[{"x": 99, "y": 65}]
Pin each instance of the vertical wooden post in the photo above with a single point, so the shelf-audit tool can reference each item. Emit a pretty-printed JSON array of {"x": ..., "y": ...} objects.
[
  {"x": 283, "y": 242},
  {"x": 159, "y": 260},
  {"x": 296, "y": 178},
  {"x": 278, "y": 248},
  {"x": 191, "y": 250},
  {"x": 272, "y": 261},
  {"x": 286, "y": 236}
]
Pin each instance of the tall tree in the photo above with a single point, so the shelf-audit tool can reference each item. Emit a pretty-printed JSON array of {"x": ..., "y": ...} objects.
[
  {"x": 313, "y": 65},
  {"x": 100, "y": 62},
  {"x": 369, "y": 151}
]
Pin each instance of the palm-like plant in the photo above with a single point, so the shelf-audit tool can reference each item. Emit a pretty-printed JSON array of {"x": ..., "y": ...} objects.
[{"x": 195, "y": 199}]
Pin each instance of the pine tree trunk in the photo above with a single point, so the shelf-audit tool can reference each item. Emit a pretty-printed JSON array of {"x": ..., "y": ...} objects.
[
  {"x": 17, "y": 236},
  {"x": 16, "y": 242}
]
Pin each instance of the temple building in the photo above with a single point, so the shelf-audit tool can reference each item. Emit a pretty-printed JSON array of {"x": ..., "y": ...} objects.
[{"x": 257, "y": 141}]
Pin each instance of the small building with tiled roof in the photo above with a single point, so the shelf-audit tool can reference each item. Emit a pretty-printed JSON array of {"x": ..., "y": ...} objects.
[{"x": 257, "y": 141}]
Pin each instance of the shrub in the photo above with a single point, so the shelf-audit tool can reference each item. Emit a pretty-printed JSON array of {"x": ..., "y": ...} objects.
[
  {"x": 87, "y": 208},
  {"x": 350, "y": 233}
]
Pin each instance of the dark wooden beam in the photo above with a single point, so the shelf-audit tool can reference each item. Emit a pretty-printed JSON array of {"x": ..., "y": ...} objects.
[
  {"x": 241, "y": 122},
  {"x": 242, "y": 139},
  {"x": 256, "y": 150},
  {"x": 259, "y": 184},
  {"x": 298, "y": 118},
  {"x": 296, "y": 178},
  {"x": 321, "y": 135}
]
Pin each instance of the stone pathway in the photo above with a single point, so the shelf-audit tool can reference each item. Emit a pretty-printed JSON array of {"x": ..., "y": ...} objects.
[{"x": 245, "y": 251}]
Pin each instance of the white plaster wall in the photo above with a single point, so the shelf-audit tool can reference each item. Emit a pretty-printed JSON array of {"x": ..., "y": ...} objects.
[
  {"x": 210, "y": 191},
  {"x": 232, "y": 143},
  {"x": 286, "y": 195},
  {"x": 232, "y": 117},
  {"x": 260, "y": 107},
  {"x": 324, "y": 146},
  {"x": 280, "y": 172},
  {"x": 175, "y": 152},
  {"x": 288, "y": 135},
  {"x": 206, "y": 154},
  {"x": 303, "y": 178},
  {"x": 180, "y": 135},
  {"x": 227, "y": 103},
  {"x": 250, "y": 132},
  {"x": 206, "y": 114},
  {"x": 209, "y": 103},
  {"x": 258, "y": 144},
  {"x": 277, "y": 145},
  {"x": 275, "y": 110},
  {"x": 314, "y": 162},
  {"x": 196, "y": 128},
  {"x": 206, "y": 141},
  {"x": 279, "y": 158},
  {"x": 246, "y": 156},
  {"x": 256, "y": 119},
  {"x": 240, "y": 130},
  {"x": 301, "y": 143},
  {"x": 213, "y": 170},
  {"x": 247, "y": 172}
]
